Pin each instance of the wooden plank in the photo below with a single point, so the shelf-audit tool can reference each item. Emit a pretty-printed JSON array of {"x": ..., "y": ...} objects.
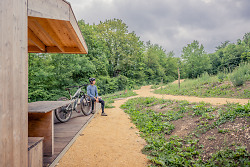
[
  {"x": 76, "y": 29},
  {"x": 46, "y": 27},
  {"x": 35, "y": 40},
  {"x": 34, "y": 26},
  {"x": 52, "y": 9},
  {"x": 13, "y": 87},
  {"x": 34, "y": 49},
  {"x": 42, "y": 125},
  {"x": 35, "y": 155},
  {"x": 57, "y": 26},
  {"x": 46, "y": 106},
  {"x": 53, "y": 49}
]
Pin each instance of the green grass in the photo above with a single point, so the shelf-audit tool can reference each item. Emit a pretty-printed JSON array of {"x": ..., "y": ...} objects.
[
  {"x": 184, "y": 151},
  {"x": 231, "y": 85},
  {"x": 109, "y": 98}
]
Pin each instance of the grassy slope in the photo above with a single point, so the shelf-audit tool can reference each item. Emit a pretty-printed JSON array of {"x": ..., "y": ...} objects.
[
  {"x": 213, "y": 136},
  {"x": 221, "y": 85}
]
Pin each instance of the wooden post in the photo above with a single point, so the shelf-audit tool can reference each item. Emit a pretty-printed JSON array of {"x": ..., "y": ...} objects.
[
  {"x": 179, "y": 83},
  {"x": 161, "y": 83},
  {"x": 13, "y": 83}
]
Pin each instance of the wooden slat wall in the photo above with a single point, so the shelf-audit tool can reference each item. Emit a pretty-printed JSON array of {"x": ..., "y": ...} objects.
[{"x": 13, "y": 83}]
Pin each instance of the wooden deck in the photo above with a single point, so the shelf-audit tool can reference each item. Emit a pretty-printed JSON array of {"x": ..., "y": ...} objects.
[{"x": 65, "y": 134}]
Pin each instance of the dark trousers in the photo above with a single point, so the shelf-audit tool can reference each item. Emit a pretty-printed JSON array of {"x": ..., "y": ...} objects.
[{"x": 100, "y": 101}]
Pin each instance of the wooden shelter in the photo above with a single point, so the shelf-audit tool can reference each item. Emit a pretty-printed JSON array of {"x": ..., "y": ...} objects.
[{"x": 40, "y": 26}]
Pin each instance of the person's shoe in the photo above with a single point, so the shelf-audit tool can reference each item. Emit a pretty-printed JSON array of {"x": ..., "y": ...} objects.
[
  {"x": 93, "y": 111},
  {"x": 104, "y": 114}
]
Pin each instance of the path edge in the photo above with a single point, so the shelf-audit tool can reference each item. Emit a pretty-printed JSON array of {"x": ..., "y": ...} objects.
[{"x": 66, "y": 148}]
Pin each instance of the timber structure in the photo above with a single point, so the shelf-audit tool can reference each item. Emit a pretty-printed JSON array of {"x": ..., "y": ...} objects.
[{"x": 35, "y": 26}]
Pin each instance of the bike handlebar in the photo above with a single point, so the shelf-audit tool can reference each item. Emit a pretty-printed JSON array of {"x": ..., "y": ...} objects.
[{"x": 76, "y": 86}]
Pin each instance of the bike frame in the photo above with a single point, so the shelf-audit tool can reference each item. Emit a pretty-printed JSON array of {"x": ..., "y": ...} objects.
[{"x": 75, "y": 98}]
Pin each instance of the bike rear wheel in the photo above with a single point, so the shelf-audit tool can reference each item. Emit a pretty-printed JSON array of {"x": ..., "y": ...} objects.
[
  {"x": 86, "y": 105},
  {"x": 63, "y": 114}
]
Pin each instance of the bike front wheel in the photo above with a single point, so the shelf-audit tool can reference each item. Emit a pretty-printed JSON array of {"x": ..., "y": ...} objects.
[
  {"x": 86, "y": 105},
  {"x": 63, "y": 114}
]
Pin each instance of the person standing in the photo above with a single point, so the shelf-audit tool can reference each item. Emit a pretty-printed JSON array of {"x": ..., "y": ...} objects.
[{"x": 93, "y": 94}]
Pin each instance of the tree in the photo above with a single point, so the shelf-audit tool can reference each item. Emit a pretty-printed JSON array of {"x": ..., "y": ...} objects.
[{"x": 196, "y": 61}]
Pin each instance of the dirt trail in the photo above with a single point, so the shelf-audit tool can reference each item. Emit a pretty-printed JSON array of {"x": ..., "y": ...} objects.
[
  {"x": 114, "y": 140},
  {"x": 106, "y": 142},
  {"x": 145, "y": 91}
]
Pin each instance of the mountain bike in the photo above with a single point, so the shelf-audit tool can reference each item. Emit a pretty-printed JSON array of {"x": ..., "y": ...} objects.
[{"x": 80, "y": 102}]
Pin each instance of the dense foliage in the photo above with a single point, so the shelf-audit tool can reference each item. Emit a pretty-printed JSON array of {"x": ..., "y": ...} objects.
[{"x": 120, "y": 60}]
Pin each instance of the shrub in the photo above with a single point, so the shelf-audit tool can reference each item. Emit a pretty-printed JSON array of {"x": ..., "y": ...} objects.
[
  {"x": 240, "y": 75},
  {"x": 122, "y": 82},
  {"x": 221, "y": 76}
]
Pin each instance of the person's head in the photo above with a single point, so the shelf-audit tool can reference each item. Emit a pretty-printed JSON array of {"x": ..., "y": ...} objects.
[{"x": 92, "y": 81}]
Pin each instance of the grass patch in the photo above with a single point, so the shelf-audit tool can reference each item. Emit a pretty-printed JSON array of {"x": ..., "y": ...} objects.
[
  {"x": 233, "y": 85},
  {"x": 165, "y": 149},
  {"x": 109, "y": 98}
]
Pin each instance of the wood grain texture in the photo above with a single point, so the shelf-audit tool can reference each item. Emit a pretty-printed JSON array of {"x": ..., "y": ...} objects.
[
  {"x": 35, "y": 153},
  {"x": 54, "y": 24},
  {"x": 14, "y": 83},
  {"x": 46, "y": 106},
  {"x": 42, "y": 125},
  {"x": 53, "y": 9}
]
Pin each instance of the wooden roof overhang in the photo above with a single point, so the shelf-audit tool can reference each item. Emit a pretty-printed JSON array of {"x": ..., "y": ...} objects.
[{"x": 52, "y": 28}]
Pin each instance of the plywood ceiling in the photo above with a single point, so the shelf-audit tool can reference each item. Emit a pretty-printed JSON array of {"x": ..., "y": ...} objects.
[{"x": 53, "y": 30}]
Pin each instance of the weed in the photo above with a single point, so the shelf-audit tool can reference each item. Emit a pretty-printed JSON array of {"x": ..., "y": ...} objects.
[
  {"x": 211, "y": 138},
  {"x": 186, "y": 151},
  {"x": 223, "y": 131}
]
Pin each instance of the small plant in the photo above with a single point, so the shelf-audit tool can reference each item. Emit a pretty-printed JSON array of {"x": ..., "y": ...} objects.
[
  {"x": 163, "y": 106},
  {"x": 211, "y": 138},
  {"x": 223, "y": 131}
]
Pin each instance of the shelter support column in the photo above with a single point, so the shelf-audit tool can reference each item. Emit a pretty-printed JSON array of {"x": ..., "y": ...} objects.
[{"x": 13, "y": 83}]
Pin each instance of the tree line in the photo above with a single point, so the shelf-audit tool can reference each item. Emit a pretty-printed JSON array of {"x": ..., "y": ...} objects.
[{"x": 119, "y": 60}]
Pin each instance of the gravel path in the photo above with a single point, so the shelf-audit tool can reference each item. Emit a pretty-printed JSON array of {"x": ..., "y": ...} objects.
[{"x": 113, "y": 141}]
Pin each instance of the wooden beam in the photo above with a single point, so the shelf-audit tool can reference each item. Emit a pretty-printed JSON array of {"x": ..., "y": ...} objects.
[
  {"x": 14, "y": 83},
  {"x": 45, "y": 26},
  {"x": 72, "y": 50},
  {"x": 52, "y": 9},
  {"x": 54, "y": 49},
  {"x": 78, "y": 32},
  {"x": 40, "y": 33},
  {"x": 35, "y": 40},
  {"x": 35, "y": 49},
  {"x": 75, "y": 37}
]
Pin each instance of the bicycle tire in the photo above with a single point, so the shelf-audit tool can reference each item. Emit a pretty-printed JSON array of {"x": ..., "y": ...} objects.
[
  {"x": 63, "y": 114},
  {"x": 86, "y": 105}
]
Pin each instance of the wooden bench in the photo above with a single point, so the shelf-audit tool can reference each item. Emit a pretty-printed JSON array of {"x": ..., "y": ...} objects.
[
  {"x": 35, "y": 151},
  {"x": 41, "y": 122}
]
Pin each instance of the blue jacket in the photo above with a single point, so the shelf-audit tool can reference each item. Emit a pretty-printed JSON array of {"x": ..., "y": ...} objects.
[{"x": 92, "y": 91}]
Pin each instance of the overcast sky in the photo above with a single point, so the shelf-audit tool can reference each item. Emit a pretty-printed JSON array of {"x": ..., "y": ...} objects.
[{"x": 173, "y": 23}]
